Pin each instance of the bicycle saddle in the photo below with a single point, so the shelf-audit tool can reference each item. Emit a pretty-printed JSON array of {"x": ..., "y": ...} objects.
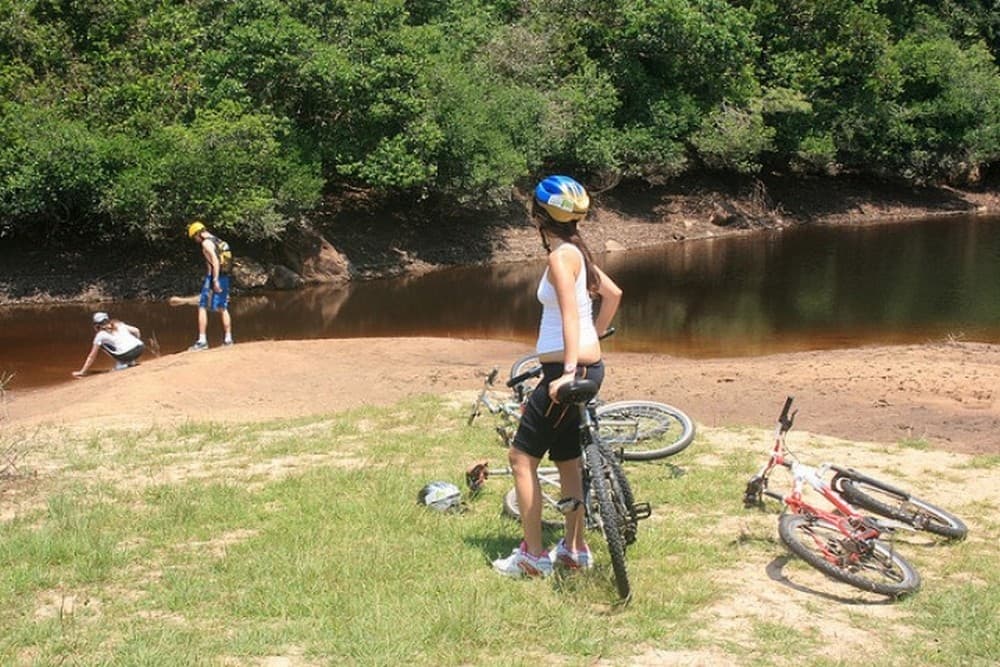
[{"x": 577, "y": 391}]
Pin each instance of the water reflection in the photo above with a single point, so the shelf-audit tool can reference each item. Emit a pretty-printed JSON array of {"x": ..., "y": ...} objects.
[{"x": 807, "y": 288}]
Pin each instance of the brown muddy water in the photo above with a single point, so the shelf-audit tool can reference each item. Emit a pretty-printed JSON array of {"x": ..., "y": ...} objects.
[{"x": 814, "y": 287}]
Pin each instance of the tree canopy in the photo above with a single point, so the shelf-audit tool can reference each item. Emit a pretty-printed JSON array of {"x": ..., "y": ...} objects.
[{"x": 135, "y": 116}]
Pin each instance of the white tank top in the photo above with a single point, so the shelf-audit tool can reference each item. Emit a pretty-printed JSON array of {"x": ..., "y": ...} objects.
[
  {"x": 550, "y": 333},
  {"x": 117, "y": 341}
]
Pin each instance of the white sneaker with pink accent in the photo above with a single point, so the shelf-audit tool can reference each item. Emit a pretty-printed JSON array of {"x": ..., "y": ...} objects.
[{"x": 522, "y": 564}]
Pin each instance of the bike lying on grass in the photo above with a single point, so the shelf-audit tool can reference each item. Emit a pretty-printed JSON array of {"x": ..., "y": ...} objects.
[
  {"x": 841, "y": 542},
  {"x": 608, "y": 502}
]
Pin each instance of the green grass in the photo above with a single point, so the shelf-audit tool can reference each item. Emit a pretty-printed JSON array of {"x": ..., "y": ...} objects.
[{"x": 227, "y": 544}]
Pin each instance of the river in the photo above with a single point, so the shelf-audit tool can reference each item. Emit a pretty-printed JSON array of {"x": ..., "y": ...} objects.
[{"x": 810, "y": 287}]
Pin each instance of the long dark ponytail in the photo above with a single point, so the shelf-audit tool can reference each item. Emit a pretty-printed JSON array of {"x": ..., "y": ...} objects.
[{"x": 567, "y": 232}]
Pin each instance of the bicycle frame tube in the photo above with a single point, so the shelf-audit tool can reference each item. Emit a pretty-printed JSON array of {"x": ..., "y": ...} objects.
[{"x": 844, "y": 516}]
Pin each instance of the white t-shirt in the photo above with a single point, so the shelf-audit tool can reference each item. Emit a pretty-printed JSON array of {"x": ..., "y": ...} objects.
[
  {"x": 550, "y": 333},
  {"x": 118, "y": 340}
]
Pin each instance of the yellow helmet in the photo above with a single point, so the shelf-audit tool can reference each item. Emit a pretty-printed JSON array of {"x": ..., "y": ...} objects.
[{"x": 194, "y": 228}]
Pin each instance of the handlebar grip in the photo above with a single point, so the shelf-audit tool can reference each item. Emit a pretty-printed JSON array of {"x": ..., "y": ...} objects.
[
  {"x": 784, "y": 411},
  {"x": 518, "y": 379},
  {"x": 785, "y": 420}
]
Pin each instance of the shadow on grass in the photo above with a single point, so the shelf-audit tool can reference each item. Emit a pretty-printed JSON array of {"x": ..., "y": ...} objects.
[{"x": 775, "y": 573}]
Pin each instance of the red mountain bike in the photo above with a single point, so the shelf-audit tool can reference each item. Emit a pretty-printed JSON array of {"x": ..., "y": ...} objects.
[{"x": 839, "y": 542}]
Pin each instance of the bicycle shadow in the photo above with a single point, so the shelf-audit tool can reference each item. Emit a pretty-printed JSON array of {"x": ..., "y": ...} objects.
[{"x": 775, "y": 572}]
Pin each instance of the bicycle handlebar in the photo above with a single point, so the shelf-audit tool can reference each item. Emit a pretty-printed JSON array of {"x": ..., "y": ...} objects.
[
  {"x": 527, "y": 375},
  {"x": 535, "y": 372}
]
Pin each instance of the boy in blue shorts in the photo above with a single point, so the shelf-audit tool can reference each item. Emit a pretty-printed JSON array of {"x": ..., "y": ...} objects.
[{"x": 215, "y": 287}]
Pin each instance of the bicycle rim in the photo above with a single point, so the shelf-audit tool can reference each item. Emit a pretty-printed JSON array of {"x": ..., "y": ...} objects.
[
  {"x": 870, "y": 566},
  {"x": 644, "y": 430}
]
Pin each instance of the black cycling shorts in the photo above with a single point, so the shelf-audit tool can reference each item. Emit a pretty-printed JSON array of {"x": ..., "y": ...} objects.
[{"x": 552, "y": 427}]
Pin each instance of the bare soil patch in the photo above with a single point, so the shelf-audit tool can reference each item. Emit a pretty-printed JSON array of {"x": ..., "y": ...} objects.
[{"x": 945, "y": 394}]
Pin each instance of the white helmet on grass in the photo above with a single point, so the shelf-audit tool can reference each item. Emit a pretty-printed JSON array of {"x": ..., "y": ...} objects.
[{"x": 440, "y": 496}]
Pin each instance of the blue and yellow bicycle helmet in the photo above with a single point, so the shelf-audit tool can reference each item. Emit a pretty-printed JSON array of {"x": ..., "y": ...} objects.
[{"x": 564, "y": 199}]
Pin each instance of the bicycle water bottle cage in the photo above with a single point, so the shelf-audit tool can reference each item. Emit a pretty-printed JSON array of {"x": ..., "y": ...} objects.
[{"x": 577, "y": 391}]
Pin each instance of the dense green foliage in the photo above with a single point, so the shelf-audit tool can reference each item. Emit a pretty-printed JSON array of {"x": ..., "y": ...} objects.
[{"x": 133, "y": 116}]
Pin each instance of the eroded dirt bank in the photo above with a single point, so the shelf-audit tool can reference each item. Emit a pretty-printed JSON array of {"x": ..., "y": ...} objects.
[{"x": 379, "y": 237}]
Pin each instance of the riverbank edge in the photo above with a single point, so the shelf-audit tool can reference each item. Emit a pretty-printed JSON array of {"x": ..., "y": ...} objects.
[{"x": 365, "y": 239}]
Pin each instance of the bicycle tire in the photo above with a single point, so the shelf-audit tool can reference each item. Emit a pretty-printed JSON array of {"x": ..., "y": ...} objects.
[
  {"x": 611, "y": 526},
  {"x": 624, "y": 499},
  {"x": 551, "y": 516},
  {"x": 644, "y": 430},
  {"x": 894, "y": 503},
  {"x": 872, "y": 566}
]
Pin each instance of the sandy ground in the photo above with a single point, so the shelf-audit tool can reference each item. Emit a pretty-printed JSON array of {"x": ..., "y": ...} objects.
[{"x": 944, "y": 394}]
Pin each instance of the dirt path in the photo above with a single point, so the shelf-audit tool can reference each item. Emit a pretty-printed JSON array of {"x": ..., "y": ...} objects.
[{"x": 944, "y": 394}]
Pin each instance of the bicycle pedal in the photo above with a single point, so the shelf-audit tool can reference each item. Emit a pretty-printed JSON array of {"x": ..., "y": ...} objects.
[
  {"x": 567, "y": 505},
  {"x": 642, "y": 510}
]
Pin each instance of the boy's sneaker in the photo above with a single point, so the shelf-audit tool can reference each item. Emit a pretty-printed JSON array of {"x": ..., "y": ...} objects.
[
  {"x": 198, "y": 346},
  {"x": 227, "y": 343},
  {"x": 122, "y": 365},
  {"x": 522, "y": 564},
  {"x": 572, "y": 560}
]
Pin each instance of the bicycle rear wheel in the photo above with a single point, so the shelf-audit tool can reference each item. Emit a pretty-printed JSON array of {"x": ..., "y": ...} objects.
[
  {"x": 610, "y": 513},
  {"x": 889, "y": 501},
  {"x": 551, "y": 516},
  {"x": 870, "y": 565},
  {"x": 644, "y": 430}
]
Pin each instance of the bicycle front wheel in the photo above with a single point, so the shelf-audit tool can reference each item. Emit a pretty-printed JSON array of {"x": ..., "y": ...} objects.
[
  {"x": 868, "y": 565},
  {"x": 644, "y": 430},
  {"x": 623, "y": 498},
  {"x": 610, "y": 514},
  {"x": 889, "y": 501}
]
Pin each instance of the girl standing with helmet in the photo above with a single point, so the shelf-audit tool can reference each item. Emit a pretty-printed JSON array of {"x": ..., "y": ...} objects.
[
  {"x": 568, "y": 347},
  {"x": 121, "y": 341}
]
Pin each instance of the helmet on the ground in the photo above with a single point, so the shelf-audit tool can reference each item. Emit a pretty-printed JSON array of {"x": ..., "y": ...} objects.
[
  {"x": 101, "y": 318},
  {"x": 195, "y": 227},
  {"x": 441, "y": 496},
  {"x": 564, "y": 199}
]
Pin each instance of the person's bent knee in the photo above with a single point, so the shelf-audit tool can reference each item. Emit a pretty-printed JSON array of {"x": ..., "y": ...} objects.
[{"x": 521, "y": 461}]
